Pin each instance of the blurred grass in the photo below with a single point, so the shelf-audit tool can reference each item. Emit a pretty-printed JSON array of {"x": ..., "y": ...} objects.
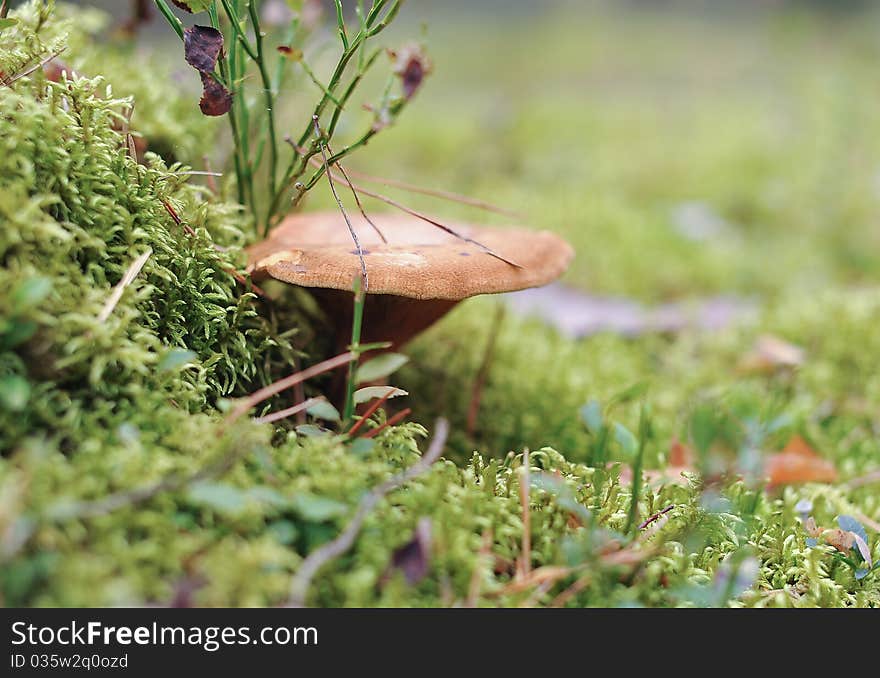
[{"x": 599, "y": 123}]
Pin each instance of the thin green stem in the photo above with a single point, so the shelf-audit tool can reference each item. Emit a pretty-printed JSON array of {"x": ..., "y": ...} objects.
[
  {"x": 172, "y": 20},
  {"x": 346, "y": 95},
  {"x": 356, "y": 326},
  {"x": 340, "y": 24},
  {"x": 269, "y": 98},
  {"x": 638, "y": 465},
  {"x": 336, "y": 157},
  {"x": 314, "y": 79}
]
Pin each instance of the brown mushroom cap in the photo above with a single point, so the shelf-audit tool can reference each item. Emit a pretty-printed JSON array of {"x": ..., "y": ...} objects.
[{"x": 420, "y": 261}]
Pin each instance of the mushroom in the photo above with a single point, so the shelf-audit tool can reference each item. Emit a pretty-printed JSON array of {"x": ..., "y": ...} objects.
[{"x": 415, "y": 278}]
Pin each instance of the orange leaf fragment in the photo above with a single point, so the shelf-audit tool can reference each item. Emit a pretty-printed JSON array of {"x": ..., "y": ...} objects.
[{"x": 799, "y": 463}]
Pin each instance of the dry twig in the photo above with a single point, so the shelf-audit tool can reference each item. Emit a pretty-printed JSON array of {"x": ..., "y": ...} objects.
[
  {"x": 283, "y": 414},
  {"x": 267, "y": 392},
  {"x": 119, "y": 288}
]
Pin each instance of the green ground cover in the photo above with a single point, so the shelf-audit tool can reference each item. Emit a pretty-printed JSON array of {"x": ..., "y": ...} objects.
[{"x": 600, "y": 129}]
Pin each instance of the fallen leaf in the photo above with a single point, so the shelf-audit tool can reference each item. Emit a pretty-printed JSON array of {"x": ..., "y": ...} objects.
[
  {"x": 680, "y": 455},
  {"x": 771, "y": 354},
  {"x": 798, "y": 463},
  {"x": 797, "y": 445}
]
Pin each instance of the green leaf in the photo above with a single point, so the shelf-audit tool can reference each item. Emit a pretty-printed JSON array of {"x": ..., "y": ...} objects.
[
  {"x": 380, "y": 367},
  {"x": 30, "y": 293},
  {"x": 15, "y": 391},
  {"x": 361, "y": 447},
  {"x": 591, "y": 415},
  {"x": 175, "y": 358},
  {"x": 626, "y": 440},
  {"x": 311, "y": 431},
  {"x": 324, "y": 410},
  {"x": 284, "y": 531},
  {"x": 16, "y": 332},
  {"x": 268, "y": 496},
  {"x": 7, "y": 22},
  {"x": 219, "y": 496},
  {"x": 368, "y": 393},
  {"x": 317, "y": 509}
]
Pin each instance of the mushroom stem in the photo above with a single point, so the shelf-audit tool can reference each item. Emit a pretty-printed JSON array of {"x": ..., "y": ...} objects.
[{"x": 386, "y": 317}]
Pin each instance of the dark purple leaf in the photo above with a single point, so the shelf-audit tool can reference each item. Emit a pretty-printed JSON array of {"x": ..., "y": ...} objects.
[
  {"x": 216, "y": 99},
  {"x": 202, "y": 46},
  {"x": 413, "y": 558}
]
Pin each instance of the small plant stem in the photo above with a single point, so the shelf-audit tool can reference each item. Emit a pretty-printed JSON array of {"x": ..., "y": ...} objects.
[
  {"x": 444, "y": 195},
  {"x": 352, "y": 86},
  {"x": 483, "y": 371},
  {"x": 314, "y": 78},
  {"x": 433, "y": 222},
  {"x": 290, "y": 411},
  {"x": 371, "y": 410},
  {"x": 389, "y": 17},
  {"x": 299, "y": 163},
  {"x": 525, "y": 561},
  {"x": 356, "y": 327},
  {"x": 336, "y": 157},
  {"x": 172, "y": 20},
  {"x": 340, "y": 23},
  {"x": 357, "y": 198},
  {"x": 637, "y": 472},
  {"x": 126, "y": 280},
  {"x": 299, "y": 585},
  {"x": 656, "y": 516},
  {"x": 272, "y": 140}
]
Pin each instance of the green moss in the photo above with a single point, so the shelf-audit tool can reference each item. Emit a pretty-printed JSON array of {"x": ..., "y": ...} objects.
[{"x": 92, "y": 408}]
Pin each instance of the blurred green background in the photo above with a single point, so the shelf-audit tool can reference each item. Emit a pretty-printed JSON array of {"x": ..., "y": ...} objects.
[{"x": 685, "y": 148}]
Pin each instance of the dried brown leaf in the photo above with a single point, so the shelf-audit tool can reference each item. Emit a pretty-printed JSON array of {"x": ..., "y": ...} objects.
[
  {"x": 216, "y": 99},
  {"x": 411, "y": 65},
  {"x": 202, "y": 46}
]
